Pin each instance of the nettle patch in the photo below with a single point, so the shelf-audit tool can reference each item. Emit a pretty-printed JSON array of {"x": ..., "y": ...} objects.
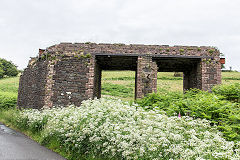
[{"x": 113, "y": 129}]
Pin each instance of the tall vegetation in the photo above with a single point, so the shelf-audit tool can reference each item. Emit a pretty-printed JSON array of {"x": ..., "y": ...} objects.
[
  {"x": 112, "y": 129},
  {"x": 7, "y": 100},
  {"x": 8, "y": 92},
  {"x": 230, "y": 92},
  {"x": 199, "y": 104},
  {"x": 7, "y": 68}
]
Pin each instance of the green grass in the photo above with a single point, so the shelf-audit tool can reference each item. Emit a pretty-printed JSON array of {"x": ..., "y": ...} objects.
[
  {"x": 231, "y": 75},
  {"x": 166, "y": 81},
  {"x": 7, "y": 116},
  {"x": 8, "y": 101},
  {"x": 130, "y": 75},
  {"x": 9, "y": 84},
  {"x": 8, "y": 92},
  {"x": 117, "y": 90},
  {"x": 124, "y": 82}
]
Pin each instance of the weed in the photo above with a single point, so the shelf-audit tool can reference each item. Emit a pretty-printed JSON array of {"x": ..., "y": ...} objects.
[{"x": 181, "y": 50}]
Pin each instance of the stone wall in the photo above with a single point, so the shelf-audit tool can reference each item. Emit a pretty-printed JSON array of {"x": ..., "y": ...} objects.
[
  {"x": 211, "y": 73},
  {"x": 146, "y": 76},
  {"x": 68, "y": 73},
  {"x": 56, "y": 82},
  {"x": 70, "y": 81},
  {"x": 133, "y": 49},
  {"x": 31, "y": 92}
]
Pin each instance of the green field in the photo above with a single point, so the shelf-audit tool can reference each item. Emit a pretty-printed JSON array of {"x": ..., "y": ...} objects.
[
  {"x": 122, "y": 83},
  {"x": 9, "y": 84},
  {"x": 166, "y": 81},
  {"x": 8, "y": 92}
]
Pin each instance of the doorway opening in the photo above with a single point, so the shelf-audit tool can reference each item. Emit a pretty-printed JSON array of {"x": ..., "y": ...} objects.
[
  {"x": 170, "y": 81},
  {"x": 115, "y": 76},
  {"x": 120, "y": 84},
  {"x": 188, "y": 70}
]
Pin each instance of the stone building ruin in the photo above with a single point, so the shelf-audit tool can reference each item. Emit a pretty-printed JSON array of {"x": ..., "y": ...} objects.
[{"x": 69, "y": 73}]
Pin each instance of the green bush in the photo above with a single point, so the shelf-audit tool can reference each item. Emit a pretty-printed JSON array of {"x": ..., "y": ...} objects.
[
  {"x": 161, "y": 100},
  {"x": 8, "y": 100},
  {"x": 230, "y": 92},
  {"x": 1, "y": 72},
  {"x": 7, "y": 68},
  {"x": 198, "y": 104}
]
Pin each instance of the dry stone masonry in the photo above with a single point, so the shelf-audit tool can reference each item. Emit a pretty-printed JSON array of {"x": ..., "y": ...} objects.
[{"x": 69, "y": 73}]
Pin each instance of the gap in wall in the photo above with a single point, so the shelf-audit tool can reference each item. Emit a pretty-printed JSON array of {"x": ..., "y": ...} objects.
[
  {"x": 120, "y": 84},
  {"x": 170, "y": 81}
]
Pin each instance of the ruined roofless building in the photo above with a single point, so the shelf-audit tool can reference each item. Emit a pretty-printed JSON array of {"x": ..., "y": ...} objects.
[{"x": 69, "y": 73}]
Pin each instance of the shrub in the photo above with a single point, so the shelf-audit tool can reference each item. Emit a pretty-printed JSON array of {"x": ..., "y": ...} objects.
[
  {"x": 8, "y": 100},
  {"x": 162, "y": 100},
  {"x": 112, "y": 129},
  {"x": 230, "y": 92},
  {"x": 8, "y": 68},
  {"x": 1, "y": 71}
]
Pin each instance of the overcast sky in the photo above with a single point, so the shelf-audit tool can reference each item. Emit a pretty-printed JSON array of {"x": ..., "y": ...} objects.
[{"x": 27, "y": 25}]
